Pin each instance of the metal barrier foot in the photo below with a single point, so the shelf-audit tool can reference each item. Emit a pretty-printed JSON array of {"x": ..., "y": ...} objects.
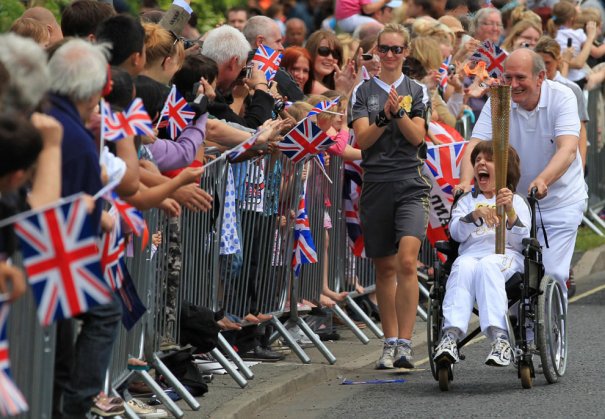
[
  {"x": 350, "y": 324},
  {"x": 364, "y": 317},
  {"x": 175, "y": 383},
  {"x": 157, "y": 390},
  {"x": 279, "y": 327},
  {"x": 316, "y": 341},
  {"x": 226, "y": 364},
  {"x": 590, "y": 225},
  {"x": 595, "y": 217},
  {"x": 241, "y": 365}
]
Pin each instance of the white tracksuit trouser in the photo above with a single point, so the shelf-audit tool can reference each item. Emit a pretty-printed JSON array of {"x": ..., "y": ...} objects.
[
  {"x": 482, "y": 279},
  {"x": 561, "y": 226}
]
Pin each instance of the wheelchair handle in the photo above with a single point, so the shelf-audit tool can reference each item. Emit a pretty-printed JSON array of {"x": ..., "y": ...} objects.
[{"x": 532, "y": 205}]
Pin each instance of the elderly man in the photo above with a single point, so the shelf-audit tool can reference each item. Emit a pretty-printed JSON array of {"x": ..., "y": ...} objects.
[
  {"x": 78, "y": 74},
  {"x": 229, "y": 48},
  {"x": 261, "y": 30},
  {"x": 544, "y": 129}
]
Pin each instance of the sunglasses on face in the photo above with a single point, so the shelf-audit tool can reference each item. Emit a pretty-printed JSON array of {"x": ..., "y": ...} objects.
[
  {"x": 395, "y": 49},
  {"x": 367, "y": 57},
  {"x": 325, "y": 51}
]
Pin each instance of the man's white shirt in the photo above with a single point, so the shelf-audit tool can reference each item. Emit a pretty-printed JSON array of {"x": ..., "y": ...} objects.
[{"x": 533, "y": 134}]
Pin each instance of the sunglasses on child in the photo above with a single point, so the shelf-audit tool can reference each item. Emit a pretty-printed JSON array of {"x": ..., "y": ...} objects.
[
  {"x": 325, "y": 51},
  {"x": 395, "y": 49}
]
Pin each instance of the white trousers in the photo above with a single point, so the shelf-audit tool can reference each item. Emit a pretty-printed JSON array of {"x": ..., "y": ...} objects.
[
  {"x": 561, "y": 225},
  {"x": 481, "y": 279},
  {"x": 349, "y": 24}
]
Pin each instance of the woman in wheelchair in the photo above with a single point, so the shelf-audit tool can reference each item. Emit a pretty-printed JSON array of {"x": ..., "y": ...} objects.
[{"x": 477, "y": 273}]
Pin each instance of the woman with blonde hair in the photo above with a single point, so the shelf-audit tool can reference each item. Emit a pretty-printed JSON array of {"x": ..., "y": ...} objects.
[
  {"x": 524, "y": 34},
  {"x": 165, "y": 53},
  {"x": 389, "y": 118}
]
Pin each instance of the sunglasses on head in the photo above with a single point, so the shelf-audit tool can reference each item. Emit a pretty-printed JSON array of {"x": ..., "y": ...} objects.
[
  {"x": 395, "y": 49},
  {"x": 325, "y": 51}
]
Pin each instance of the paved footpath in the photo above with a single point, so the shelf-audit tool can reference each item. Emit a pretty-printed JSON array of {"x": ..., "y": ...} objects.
[{"x": 275, "y": 384}]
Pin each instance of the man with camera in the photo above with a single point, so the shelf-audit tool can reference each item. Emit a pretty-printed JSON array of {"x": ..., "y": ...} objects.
[{"x": 229, "y": 48}]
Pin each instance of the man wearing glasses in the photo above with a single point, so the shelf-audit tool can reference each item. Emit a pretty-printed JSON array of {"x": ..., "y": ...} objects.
[{"x": 389, "y": 117}]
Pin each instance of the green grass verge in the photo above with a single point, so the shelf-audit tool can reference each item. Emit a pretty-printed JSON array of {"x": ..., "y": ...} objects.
[{"x": 587, "y": 240}]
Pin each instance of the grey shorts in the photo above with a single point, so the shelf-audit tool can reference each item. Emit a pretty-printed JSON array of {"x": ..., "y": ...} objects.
[{"x": 392, "y": 210}]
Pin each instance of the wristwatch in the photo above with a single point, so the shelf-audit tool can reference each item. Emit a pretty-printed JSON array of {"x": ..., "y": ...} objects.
[
  {"x": 382, "y": 120},
  {"x": 399, "y": 114}
]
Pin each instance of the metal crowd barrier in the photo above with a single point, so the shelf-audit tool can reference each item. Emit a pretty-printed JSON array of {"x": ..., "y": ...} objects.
[
  {"x": 201, "y": 285},
  {"x": 267, "y": 193},
  {"x": 32, "y": 355},
  {"x": 595, "y": 160}
]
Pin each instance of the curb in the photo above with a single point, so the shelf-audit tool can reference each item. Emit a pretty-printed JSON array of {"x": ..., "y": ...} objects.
[{"x": 285, "y": 385}]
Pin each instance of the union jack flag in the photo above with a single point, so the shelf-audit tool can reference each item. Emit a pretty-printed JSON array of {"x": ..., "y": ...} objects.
[
  {"x": 323, "y": 106},
  {"x": 351, "y": 192},
  {"x": 268, "y": 61},
  {"x": 12, "y": 401},
  {"x": 177, "y": 112},
  {"x": 134, "y": 121},
  {"x": 62, "y": 261},
  {"x": 443, "y": 73},
  {"x": 112, "y": 251},
  {"x": 493, "y": 56},
  {"x": 442, "y": 166},
  {"x": 131, "y": 216},
  {"x": 243, "y": 147},
  {"x": 304, "y": 141},
  {"x": 304, "y": 248},
  {"x": 444, "y": 163}
]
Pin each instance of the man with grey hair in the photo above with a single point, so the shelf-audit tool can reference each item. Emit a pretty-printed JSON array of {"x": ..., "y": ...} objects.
[
  {"x": 229, "y": 48},
  {"x": 261, "y": 30},
  {"x": 25, "y": 62},
  {"x": 544, "y": 129},
  {"x": 78, "y": 74}
]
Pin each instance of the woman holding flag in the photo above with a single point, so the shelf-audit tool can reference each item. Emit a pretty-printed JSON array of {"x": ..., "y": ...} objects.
[{"x": 389, "y": 117}]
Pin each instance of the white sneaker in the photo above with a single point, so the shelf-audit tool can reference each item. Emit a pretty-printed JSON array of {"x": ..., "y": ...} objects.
[
  {"x": 387, "y": 358},
  {"x": 403, "y": 356},
  {"x": 143, "y": 410},
  {"x": 501, "y": 354},
  {"x": 447, "y": 350}
]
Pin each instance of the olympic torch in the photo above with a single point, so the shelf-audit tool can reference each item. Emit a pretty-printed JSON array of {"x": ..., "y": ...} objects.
[{"x": 500, "y": 99}]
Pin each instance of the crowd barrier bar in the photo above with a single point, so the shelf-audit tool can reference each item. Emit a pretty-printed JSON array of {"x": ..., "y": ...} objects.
[
  {"x": 201, "y": 262},
  {"x": 337, "y": 242},
  {"x": 32, "y": 369}
]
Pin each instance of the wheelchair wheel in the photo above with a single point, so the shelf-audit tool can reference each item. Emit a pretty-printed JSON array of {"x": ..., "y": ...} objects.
[
  {"x": 445, "y": 376},
  {"x": 525, "y": 374},
  {"x": 552, "y": 329},
  {"x": 433, "y": 333}
]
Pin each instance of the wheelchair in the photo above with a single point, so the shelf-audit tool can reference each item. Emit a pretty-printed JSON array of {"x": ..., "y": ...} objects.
[{"x": 541, "y": 308}]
